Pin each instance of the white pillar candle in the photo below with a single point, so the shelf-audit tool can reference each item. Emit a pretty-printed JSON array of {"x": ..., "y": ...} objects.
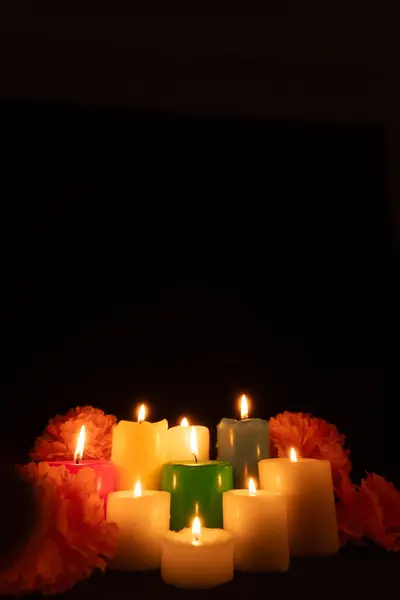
[
  {"x": 138, "y": 452},
  {"x": 198, "y": 557},
  {"x": 143, "y": 520},
  {"x": 178, "y": 442},
  {"x": 306, "y": 485},
  {"x": 258, "y": 524}
]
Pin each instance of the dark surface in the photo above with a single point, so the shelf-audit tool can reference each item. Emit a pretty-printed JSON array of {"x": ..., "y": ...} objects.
[{"x": 351, "y": 573}]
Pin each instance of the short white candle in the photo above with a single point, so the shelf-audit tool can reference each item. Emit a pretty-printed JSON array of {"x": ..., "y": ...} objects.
[
  {"x": 258, "y": 524},
  {"x": 143, "y": 520},
  {"x": 306, "y": 486},
  {"x": 178, "y": 442},
  {"x": 198, "y": 557},
  {"x": 138, "y": 452}
]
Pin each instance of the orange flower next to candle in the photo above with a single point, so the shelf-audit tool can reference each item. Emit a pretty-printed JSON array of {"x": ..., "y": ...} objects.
[
  {"x": 369, "y": 511},
  {"x": 70, "y": 545},
  {"x": 58, "y": 441}
]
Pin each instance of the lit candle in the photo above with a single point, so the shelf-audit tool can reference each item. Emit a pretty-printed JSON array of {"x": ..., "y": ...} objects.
[
  {"x": 138, "y": 451},
  {"x": 197, "y": 557},
  {"x": 258, "y": 524},
  {"x": 104, "y": 470},
  {"x": 243, "y": 443},
  {"x": 143, "y": 520},
  {"x": 178, "y": 442},
  {"x": 306, "y": 485},
  {"x": 196, "y": 485}
]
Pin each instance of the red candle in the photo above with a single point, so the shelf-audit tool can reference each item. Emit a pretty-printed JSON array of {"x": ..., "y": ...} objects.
[{"x": 105, "y": 472}]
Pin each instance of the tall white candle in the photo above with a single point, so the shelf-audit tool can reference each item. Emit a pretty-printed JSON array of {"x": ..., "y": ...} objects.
[
  {"x": 197, "y": 557},
  {"x": 258, "y": 524},
  {"x": 143, "y": 520},
  {"x": 306, "y": 485},
  {"x": 138, "y": 452},
  {"x": 178, "y": 442}
]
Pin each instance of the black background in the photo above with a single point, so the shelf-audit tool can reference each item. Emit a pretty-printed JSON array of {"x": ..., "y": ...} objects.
[{"x": 183, "y": 260}]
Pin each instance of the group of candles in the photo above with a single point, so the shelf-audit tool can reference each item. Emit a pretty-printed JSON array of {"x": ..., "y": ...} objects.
[{"x": 199, "y": 519}]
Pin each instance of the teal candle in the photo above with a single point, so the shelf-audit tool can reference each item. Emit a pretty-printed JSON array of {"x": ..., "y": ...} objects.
[
  {"x": 243, "y": 443},
  {"x": 196, "y": 488}
]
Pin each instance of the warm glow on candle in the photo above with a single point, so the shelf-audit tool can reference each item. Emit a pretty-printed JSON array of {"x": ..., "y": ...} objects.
[
  {"x": 193, "y": 443},
  {"x": 252, "y": 487},
  {"x": 141, "y": 414},
  {"x": 196, "y": 530},
  {"x": 184, "y": 422},
  {"x": 244, "y": 408},
  {"x": 80, "y": 445},
  {"x": 293, "y": 455},
  {"x": 137, "y": 490}
]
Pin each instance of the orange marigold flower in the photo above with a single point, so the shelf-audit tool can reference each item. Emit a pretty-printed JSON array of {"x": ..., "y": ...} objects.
[
  {"x": 370, "y": 511},
  {"x": 311, "y": 437},
  {"x": 71, "y": 538},
  {"x": 349, "y": 522},
  {"x": 58, "y": 441}
]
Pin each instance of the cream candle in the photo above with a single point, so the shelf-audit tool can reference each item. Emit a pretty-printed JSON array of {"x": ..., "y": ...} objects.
[
  {"x": 197, "y": 557},
  {"x": 143, "y": 520},
  {"x": 178, "y": 442},
  {"x": 258, "y": 524},
  {"x": 306, "y": 485},
  {"x": 138, "y": 452}
]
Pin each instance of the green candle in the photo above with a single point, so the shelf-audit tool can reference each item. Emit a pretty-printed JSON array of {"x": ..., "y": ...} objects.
[{"x": 196, "y": 488}]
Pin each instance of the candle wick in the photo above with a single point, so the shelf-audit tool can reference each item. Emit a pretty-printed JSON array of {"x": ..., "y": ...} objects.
[
  {"x": 195, "y": 458},
  {"x": 77, "y": 459}
]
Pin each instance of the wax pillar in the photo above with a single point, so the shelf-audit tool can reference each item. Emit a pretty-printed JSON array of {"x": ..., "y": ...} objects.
[
  {"x": 258, "y": 524},
  {"x": 138, "y": 452},
  {"x": 243, "y": 443},
  {"x": 197, "y": 562},
  {"x": 143, "y": 522},
  {"x": 178, "y": 442},
  {"x": 196, "y": 487},
  {"x": 104, "y": 470},
  {"x": 306, "y": 486}
]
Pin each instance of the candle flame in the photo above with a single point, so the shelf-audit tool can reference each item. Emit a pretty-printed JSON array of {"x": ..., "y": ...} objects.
[
  {"x": 194, "y": 449},
  {"x": 141, "y": 414},
  {"x": 80, "y": 445},
  {"x": 252, "y": 487},
  {"x": 293, "y": 455},
  {"x": 196, "y": 530},
  {"x": 137, "y": 490},
  {"x": 184, "y": 422},
  {"x": 244, "y": 407}
]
